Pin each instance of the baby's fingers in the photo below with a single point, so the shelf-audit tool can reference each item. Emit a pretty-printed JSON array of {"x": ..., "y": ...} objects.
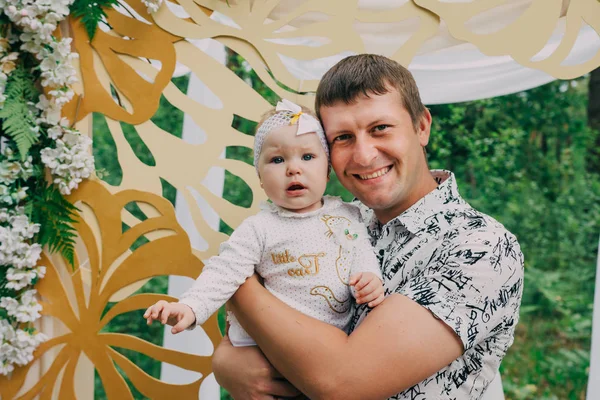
[
  {"x": 167, "y": 312},
  {"x": 372, "y": 296},
  {"x": 157, "y": 309},
  {"x": 355, "y": 278},
  {"x": 378, "y": 300},
  {"x": 364, "y": 280},
  {"x": 368, "y": 288},
  {"x": 154, "y": 311},
  {"x": 182, "y": 324}
]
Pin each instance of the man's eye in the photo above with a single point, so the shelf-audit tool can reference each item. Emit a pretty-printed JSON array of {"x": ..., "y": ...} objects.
[
  {"x": 380, "y": 128},
  {"x": 340, "y": 138},
  {"x": 277, "y": 160},
  {"x": 308, "y": 157}
]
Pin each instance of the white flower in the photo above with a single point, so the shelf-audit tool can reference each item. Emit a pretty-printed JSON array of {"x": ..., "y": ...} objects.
[
  {"x": 70, "y": 162},
  {"x": 55, "y": 132},
  {"x": 26, "y": 310},
  {"x": 17, "y": 346},
  {"x": 152, "y": 5},
  {"x": 62, "y": 97}
]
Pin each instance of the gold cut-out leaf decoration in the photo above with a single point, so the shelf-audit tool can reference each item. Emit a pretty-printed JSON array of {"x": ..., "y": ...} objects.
[
  {"x": 260, "y": 27},
  {"x": 525, "y": 37},
  {"x": 78, "y": 302},
  {"x": 128, "y": 38}
]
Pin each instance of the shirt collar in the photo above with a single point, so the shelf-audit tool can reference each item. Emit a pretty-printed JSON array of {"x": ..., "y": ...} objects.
[{"x": 415, "y": 219}]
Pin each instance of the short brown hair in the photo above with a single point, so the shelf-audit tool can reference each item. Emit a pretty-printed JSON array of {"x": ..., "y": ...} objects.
[{"x": 366, "y": 74}]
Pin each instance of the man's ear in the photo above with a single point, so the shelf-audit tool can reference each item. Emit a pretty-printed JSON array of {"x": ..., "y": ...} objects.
[{"x": 424, "y": 127}]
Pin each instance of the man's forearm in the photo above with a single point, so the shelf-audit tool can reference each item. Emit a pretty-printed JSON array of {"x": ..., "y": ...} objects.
[
  {"x": 316, "y": 348},
  {"x": 398, "y": 345}
]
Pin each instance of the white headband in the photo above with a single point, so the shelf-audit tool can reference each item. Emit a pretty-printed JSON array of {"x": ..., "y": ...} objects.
[{"x": 288, "y": 113}]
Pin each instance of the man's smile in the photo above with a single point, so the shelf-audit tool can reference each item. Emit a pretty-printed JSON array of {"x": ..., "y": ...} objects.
[{"x": 373, "y": 175}]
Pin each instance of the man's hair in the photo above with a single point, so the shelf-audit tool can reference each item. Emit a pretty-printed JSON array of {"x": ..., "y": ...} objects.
[{"x": 367, "y": 74}]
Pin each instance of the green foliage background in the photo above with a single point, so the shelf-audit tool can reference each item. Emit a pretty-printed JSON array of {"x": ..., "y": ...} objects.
[{"x": 522, "y": 158}]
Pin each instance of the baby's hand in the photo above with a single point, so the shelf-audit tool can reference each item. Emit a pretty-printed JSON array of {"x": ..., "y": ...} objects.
[
  {"x": 178, "y": 315},
  {"x": 368, "y": 288}
]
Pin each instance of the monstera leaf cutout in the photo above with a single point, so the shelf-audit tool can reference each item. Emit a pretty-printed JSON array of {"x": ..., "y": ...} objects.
[
  {"x": 108, "y": 53},
  {"x": 518, "y": 39},
  {"x": 79, "y": 302}
]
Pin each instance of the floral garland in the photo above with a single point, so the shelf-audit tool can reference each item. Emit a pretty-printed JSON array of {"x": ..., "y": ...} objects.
[{"x": 34, "y": 138}]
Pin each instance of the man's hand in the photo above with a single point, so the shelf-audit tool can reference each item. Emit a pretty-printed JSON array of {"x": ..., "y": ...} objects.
[
  {"x": 178, "y": 315},
  {"x": 368, "y": 288},
  {"x": 247, "y": 375}
]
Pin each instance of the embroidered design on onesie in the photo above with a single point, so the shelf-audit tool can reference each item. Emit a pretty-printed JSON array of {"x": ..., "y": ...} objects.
[
  {"x": 283, "y": 257},
  {"x": 350, "y": 235},
  {"x": 341, "y": 229},
  {"x": 309, "y": 265},
  {"x": 339, "y": 306}
]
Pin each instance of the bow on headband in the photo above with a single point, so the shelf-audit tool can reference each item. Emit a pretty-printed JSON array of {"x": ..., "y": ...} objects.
[{"x": 306, "y": 123}]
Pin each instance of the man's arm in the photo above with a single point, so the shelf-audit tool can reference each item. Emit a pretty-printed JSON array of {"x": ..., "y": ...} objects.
[
  {"x": 398, "y": 345},
  {"x": 256, "y": 380}
]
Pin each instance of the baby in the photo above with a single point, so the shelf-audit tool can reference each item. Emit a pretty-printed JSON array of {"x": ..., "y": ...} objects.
[{"x": 310, "y": 249}]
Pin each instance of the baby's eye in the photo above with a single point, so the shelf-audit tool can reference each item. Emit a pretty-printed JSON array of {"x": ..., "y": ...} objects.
[
  {"x": 308, "y": 157},
  {"x": 277, "y": 160}
]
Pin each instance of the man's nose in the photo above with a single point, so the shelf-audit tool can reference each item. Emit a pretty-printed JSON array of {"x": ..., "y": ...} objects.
[{"x": 364, "y": 151}]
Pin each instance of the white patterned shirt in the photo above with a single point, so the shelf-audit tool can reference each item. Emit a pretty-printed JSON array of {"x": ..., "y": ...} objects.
[
  {"x": 305, "y": 259},
  {"x": 465, "y": 268}
]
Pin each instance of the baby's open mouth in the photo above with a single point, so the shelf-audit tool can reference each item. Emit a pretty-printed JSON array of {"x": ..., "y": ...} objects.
[{"x": 295, "y": 186}]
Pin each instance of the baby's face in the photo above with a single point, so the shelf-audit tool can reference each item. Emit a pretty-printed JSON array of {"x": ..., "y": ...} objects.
[{"x": 293, "y": 169}]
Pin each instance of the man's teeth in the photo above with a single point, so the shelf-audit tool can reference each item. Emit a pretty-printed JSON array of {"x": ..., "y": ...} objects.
[{"x": 375, "y": 174}]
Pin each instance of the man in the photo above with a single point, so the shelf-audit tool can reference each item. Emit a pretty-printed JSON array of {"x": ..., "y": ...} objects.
[{"x": 453, "y": 276}]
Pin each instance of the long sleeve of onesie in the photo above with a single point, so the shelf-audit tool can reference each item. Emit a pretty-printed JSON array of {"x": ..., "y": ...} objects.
[{"x": 222, "y": 275}]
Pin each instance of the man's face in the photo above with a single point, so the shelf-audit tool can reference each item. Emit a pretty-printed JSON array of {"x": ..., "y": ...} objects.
[{"x": 377, "y": 153}]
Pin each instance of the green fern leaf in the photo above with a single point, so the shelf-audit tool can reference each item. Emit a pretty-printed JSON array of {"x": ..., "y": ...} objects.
[
  {"x": 91, "y": 13},
  {"x": 18, "y": 121},
  {"x": 56, "y": 217}
]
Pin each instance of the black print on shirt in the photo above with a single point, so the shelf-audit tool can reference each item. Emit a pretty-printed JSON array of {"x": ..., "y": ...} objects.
[{"x": 467, "y": 269}]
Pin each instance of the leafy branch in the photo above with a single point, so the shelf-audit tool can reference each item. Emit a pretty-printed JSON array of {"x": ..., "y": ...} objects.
[
  {"x": 17, "y": 115},
  {"x": 91, "y": 13},
  {"x": 57, "y": 217}
]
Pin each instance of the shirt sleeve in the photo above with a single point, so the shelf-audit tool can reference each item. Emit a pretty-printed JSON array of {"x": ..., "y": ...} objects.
[
  {"x": 223, "y": 274},
  {"x": 473, "y": 284}
]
